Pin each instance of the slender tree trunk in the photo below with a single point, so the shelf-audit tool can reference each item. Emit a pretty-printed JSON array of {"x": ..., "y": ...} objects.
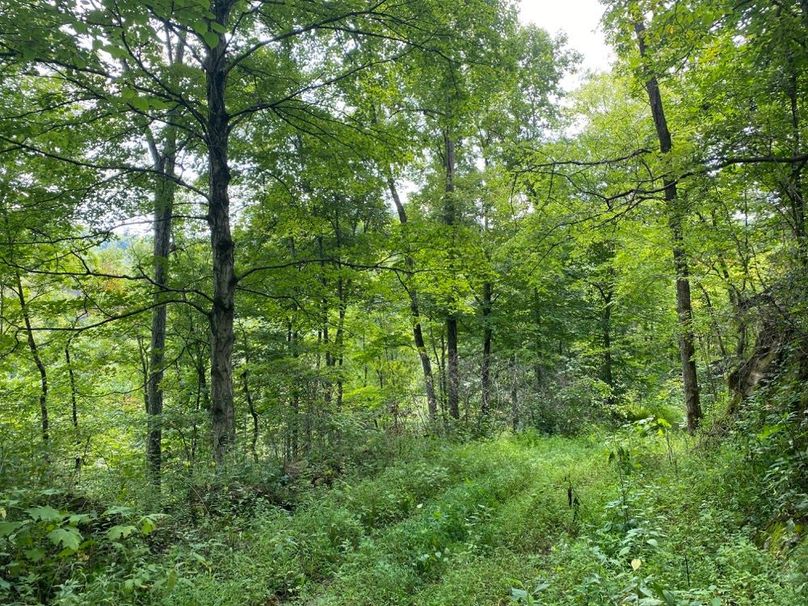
[
  {"x": 514, "y": 393},
  {"x": 417, "y": 332},
  {"x": 245, "y": 381},
  {"x": 43, "y": 373},
  {"x": 453, "y": 366},
  {"x": 340, "y": 338},
  {"x": 487, "y": 304},
  {"x": 165, "y": 161},
  {"x": 326, "y": 337},
  {"x": 453, "y": 374},
  {"x": 165, "y": 164},
  {"x": 245, "y": 377},
  {"x": 222, "y": 246},
  {"x": 607, "y": 296},
  {"x": 163, "y": 212},
  {"x": 74, "y": 409},
  {"x": 684, "y": 306},
  {"x": 294, "y": 424},
  {"x": 202, "y": 400},
  {"x": 537, "y": 345},
  {"x": 342, "y": 307},
  {"x": 608, "y": 375}
]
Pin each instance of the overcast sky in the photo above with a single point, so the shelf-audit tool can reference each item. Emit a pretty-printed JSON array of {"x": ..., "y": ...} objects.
[{"x": 579, "y": 19}]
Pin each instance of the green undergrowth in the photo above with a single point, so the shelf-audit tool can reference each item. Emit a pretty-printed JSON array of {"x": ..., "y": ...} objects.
[{"x": 638, "y": 517}]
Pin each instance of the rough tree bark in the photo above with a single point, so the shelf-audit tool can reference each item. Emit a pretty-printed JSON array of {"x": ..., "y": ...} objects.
[
  {"x": 684, "y": 306},
  {"x": 222, "y": 246}
]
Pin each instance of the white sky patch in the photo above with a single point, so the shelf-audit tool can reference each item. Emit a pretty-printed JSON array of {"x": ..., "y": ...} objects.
[{"x": 580, "y": 20}]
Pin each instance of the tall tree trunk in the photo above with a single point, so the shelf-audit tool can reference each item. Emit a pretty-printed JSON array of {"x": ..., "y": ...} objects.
[
  {"x": 417, "y": 332},
  {"x": 43, "y": 373},
  {"x": 222, "y": 246},
  {"x": 453, "y": 366},
  {"x": 338, "y": 357},
  {"x": 340, "y": 337},
  {"x": 487, "y": 303},
  {"x": 676, "y": 213},
  {"x": 165, "y": 161},
  {"x": 326, "y": 337},
  {"x": 163, "y": 212}
]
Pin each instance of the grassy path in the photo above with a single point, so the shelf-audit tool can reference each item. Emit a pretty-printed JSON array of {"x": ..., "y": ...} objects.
[{"x": 465, "y": 525}]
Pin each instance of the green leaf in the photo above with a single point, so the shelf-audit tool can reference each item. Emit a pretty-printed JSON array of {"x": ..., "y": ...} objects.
[
  {"x": 147, "y": 525},
  {"x": 68, "y": 538},
  {"x": 171, "y": 580},
  {"x": 8, "y": 528},
  {"x": 140, "y": 103},
  {"x": 35, "y": 554},
  {"x": 44, "y": 514},
  {"x": 120, "y": 532},
  {"x": 79, "y": 518},
  {"x": 211, "y": 39},
  {"x": 116, "y": 51},
  {"x": 768, "y": 431},
  {"x": 200, "y": 27}
]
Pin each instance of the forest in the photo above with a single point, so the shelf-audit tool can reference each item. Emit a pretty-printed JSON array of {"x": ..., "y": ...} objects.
[{"x": 362, "y": 302}]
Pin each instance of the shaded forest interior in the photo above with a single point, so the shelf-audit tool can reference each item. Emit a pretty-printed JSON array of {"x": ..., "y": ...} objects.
[{"x": 362, "y": 302}]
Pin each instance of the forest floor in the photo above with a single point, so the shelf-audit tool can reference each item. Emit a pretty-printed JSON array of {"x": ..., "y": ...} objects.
[{"x": 607, "y": 519}]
